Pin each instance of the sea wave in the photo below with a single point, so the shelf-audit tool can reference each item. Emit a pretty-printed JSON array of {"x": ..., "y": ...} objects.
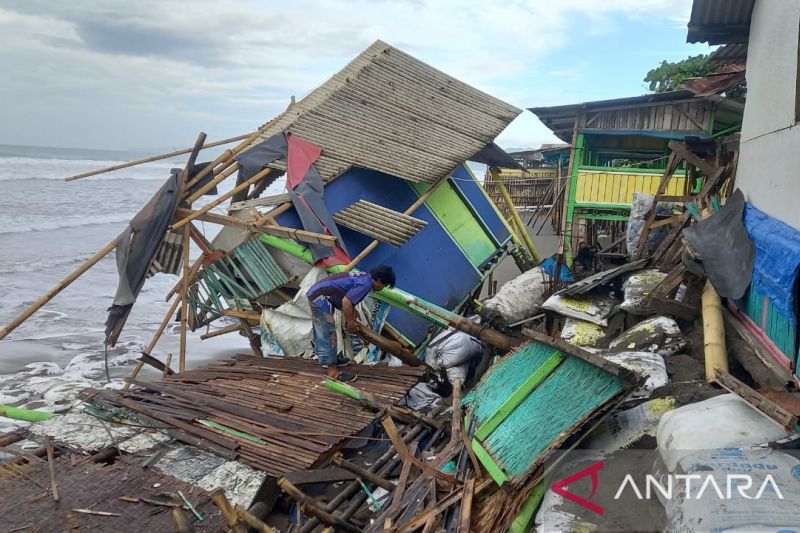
[
  {"x": 27, "y": 168},
  {"x": 67, "y": 222},
  {"x": 41, "y": 264}
]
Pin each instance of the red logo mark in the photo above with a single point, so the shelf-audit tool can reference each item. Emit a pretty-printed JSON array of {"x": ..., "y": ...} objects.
[{"x": 560, "y": 487}]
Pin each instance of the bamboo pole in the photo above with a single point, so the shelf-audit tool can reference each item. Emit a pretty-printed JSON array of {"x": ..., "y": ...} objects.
[
  {"x": 223, "y": 331},
  {"x": 312, "y": 508},
  {"x": 713, "y": 333},
  {"x": 211, "y": 205},
  {"x": 526, "y": 238},
  {"x": 155, "y": 158},
  {"x": 409, "y": 211},
  {"x": 184, "y": 301},
  {"x": 252, "y": 521},
  {"x": 63, "y": 284},
  {"x": 219, "y": 176},
  {"x": 139, "y": 364}
]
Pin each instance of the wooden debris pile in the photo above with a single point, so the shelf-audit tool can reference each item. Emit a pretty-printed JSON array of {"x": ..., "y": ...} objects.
[
  {"x": 62, "y": 491},
  {"x": 272, "y": 414}
]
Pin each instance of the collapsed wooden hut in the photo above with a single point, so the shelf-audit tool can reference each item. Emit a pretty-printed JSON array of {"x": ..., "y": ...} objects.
[
  {"x": 620, "y": 147},
  {"x": 374, "y": 161}
]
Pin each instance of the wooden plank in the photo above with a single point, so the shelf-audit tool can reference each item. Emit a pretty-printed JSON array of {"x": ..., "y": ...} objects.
[
  {"x": 402, "y": 452},
  {"x": 756, "y": 400},
  {"x": 464, "y": 519},
  {"x": 327, "y": 475},
  {"x": 600, "y": 362},
  {"x": 300, "y": 235}
]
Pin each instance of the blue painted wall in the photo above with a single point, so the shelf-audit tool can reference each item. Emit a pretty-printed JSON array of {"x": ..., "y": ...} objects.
[
  {"x": 429, "y": 265},
  {"x": 473, "y": 193}
]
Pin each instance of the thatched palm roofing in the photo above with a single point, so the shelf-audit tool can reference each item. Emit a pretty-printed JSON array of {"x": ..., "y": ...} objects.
[{"x": 390, "y": 112}]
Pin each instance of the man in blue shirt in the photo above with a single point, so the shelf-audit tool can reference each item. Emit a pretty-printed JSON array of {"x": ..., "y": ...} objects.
[{"x": 343, "y": 292}]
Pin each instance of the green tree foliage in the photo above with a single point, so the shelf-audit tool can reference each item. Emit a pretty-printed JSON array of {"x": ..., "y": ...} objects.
[{"x": 670, "y": 76}]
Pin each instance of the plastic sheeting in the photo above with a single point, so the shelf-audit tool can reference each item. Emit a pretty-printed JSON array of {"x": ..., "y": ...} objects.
[
  {"x": 777, "y": 259},
  {"x": 725, "y": 248}
]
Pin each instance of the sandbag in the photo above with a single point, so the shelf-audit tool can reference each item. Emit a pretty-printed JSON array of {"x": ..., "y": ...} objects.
[
  {"x": 637, "y": 287},
  {"x": 521, "y": 297},
  {"x": 624, "y": 427},
  {"x": 695, "y": 511},
  {"x": 421, "y": 398},
  {"x": 451, "y": 348},
  {"x": 647, "y": 336},
  {"x": 592, "y": 308},
  {"x": 583, "y": 334},
  {"x": 724, "y": 421},
  {"x": 639, "y": 208},
  {"x": 647, "y": 364},
  {"x": 458, "y": 372}
]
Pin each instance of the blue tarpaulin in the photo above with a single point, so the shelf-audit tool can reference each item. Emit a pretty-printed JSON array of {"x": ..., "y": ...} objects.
[{"x": 777, "y": 259}]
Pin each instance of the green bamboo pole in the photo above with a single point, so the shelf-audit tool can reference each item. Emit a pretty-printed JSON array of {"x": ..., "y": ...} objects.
[
  {"x": 26, "y": 415},
  {"x": 406, "y": 301}
]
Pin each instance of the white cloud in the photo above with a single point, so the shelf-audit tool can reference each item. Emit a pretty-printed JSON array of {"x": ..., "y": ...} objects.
[{"x": 120, "y": 74}]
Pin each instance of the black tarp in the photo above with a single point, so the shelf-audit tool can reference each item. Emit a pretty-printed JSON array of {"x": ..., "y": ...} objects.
[
  {"x": 725, "y": 247},
  {"x": 136, "y": 246}
]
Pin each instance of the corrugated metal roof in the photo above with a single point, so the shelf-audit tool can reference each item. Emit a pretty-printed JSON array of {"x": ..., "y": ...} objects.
[
  {"x": 726, "y": 79},
  {"x": 730, "y": 54},
  {"x": 390, "y": 112},
  {"x": 720, "y": 21}
]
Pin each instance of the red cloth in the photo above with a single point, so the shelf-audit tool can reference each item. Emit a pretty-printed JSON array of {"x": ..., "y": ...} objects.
[{"x": 301, "y": 155}]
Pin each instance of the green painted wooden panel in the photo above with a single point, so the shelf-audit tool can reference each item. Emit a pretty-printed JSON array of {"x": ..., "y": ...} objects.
[
  {"x": 456, "y": 217},
  {"x": 568, "y": 395}
]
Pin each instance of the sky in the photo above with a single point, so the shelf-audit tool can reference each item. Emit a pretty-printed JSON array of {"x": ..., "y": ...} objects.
[{"x": 150, "y": 74}]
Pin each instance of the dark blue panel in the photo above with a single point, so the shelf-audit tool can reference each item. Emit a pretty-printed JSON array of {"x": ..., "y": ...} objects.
[
  {"x": 472, "y": 192},
  {"x": 430, "y": 265}
]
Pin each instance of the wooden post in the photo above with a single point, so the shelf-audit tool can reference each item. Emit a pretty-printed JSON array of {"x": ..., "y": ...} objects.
[
  {"x": 185, "y": 271},
  {"x": 363, "y": 473},
  {"x": 526, "y": 238},
  {"x": 310, "y": 506},
  {"x": 227, "y": 510},
  {"x": 153, "y": 342},
  {"x": 409, "y": 211},
  {"x": 167, "y": 365},
  {"x": 63, "y": 284},
  {"x": 155, "y": 158},
  {"x": 466, "y": 507},
  {"x": 390, "y": 346},
  {"x": 184, "y": 301},
  {"x": 252, "y": 521},
  {"x": 51, "y": 465}
]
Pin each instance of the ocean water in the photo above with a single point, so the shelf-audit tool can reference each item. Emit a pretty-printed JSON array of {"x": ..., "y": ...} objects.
[{"x": 48, "y": 227}]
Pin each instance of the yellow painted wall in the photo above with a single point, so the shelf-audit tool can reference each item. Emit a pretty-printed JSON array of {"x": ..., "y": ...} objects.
[{"x": 599, "y": 187}]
